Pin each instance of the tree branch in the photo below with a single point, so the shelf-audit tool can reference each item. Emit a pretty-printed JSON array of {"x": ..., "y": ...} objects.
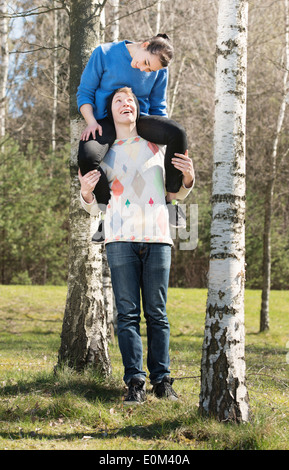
[
  {"x": 35, "y": 11},
  {"x": 39, "y": 48},
  {"x": 132, "y": 13}
]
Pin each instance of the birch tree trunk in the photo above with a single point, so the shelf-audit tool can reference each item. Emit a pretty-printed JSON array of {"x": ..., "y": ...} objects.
[
  {"x": 223, "y": 392},
  {"x": 4, "y": 64},
  {"x": 176, "y": 87},
  {"x": 109, "y": 296},
  {"x": 115, "y": 25},
  {"x": 84, "y": 338},
  {"x": 158, "y": 16},
  {"x": 55, "y": 80},
  {"x": 266, "y": 286}
]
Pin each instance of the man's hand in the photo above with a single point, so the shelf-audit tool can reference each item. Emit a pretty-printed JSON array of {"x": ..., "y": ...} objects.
[{"x": 88, "y": 183}]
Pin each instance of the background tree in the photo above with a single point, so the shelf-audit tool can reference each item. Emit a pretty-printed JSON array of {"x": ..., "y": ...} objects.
[
  {"x": 33, "y": 221},
  {"x": 84, "y": 338},
  {"x": 31, "y": 110},
  {"x": 266, "y": 54},
  {"x": 223, "y": 388},
  {"x": 272, "y": 169},
  {"x": 4, "y": 63}
]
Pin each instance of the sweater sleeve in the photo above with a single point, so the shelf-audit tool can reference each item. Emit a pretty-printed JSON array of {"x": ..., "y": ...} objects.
[
  {"x": 90, "y": 79},
  {"x": 158, "y": 95},
  {"x": 92, "y": 208},
  {"x": 183, "y": 192}
]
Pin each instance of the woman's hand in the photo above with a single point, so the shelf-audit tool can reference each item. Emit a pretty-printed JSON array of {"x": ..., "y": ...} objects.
[
  {"x": 92, "y": 124},
  {"x": 88, "y": 183},
  {"x": 185, "y": 165},
  {"x": 91, "y": 129}
]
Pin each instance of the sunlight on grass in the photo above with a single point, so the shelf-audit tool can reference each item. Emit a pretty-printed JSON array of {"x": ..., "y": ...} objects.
[{"x": 67, "y": 410}]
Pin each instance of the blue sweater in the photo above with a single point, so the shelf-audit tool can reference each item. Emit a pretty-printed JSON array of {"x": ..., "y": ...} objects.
[{"x": 109, "y": 69}]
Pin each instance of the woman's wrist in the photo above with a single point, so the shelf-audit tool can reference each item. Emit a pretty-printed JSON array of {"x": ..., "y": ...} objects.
[
  {"x": 87, "y": 112},
  {"x": 188, "y": 181},
  {"x": 91, "y": 121},
  {"x": 87, "y": 197}
]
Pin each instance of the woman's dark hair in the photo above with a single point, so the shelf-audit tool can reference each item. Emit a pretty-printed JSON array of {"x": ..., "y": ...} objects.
[{"x": 161, "y": 46}]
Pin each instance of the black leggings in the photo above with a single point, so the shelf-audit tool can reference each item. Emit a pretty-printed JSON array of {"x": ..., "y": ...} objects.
[{"x": 157, "y": 129}]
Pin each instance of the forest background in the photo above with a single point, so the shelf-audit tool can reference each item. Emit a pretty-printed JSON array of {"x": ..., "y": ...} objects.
[{"x": 35, "y": 147}]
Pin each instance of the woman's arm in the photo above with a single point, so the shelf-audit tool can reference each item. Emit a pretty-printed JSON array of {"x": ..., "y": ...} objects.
[
  {"x": 90, "y": 80},
  {"x": 92, "y": 124},
  {"x": 157, "y": 97}
]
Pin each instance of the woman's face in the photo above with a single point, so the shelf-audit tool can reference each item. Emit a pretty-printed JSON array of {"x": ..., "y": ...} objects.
[
  {"x": 123, "y": 108},
  {"x": 144, "y": 60}
]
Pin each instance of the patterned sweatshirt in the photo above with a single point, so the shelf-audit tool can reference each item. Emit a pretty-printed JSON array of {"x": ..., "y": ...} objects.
[{"x": 137, "y": 210}]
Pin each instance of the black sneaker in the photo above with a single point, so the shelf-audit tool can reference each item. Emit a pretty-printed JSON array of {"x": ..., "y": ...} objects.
[
  {"x": 136, "y": 392},
  {"x": 164, "y": 389},
  {"x": 98, "y": 237},
  {"x": 177, "y": 218}
]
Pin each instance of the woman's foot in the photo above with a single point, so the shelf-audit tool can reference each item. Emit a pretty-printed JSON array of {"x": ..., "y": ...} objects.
[{"x": 98, "y": 237}]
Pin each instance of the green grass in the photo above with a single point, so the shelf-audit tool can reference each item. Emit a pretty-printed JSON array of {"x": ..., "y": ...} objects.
[{"x": 40, "y": 410}]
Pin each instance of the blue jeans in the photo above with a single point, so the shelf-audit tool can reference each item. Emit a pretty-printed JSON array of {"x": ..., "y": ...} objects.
[{"x": 141, "y": 267}]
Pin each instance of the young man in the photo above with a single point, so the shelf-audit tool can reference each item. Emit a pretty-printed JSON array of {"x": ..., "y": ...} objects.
[{"x": 138, "y": 244}]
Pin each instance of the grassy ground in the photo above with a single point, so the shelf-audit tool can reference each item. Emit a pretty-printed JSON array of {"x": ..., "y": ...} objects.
[{"x": 40, "y": 410}]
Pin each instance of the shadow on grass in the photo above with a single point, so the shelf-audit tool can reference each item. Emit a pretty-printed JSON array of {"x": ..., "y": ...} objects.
[
  {"x": 88, "y": 385},
  {"x": 196, "y": 436},
  {"x": 152, "y": 431}
]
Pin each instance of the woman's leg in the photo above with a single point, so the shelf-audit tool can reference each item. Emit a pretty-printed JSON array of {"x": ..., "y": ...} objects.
[
  {"x": 91, "y": 153},
  {"x": 164, "y": 131}
]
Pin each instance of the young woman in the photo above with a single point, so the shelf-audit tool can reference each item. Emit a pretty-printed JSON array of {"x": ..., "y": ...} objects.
[{"x": 141, "y": 66}]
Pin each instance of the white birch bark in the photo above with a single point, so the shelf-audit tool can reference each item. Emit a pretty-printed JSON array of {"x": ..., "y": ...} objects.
[
  {"x": 266, "y": 287},
  {"x": 115, "y": 25},
  {"x": 176, "y": 87},
  {"x": 109, "y": 305},
  {"x": 223, "y": 388},
  {"x": 102, "y": 25},
  {"x": 108, "y": 298},
  {"x": 84, "y": 338},
  {"x": 55, "y": 81},
  {"x": 108, "y": 292},
  {"x": 158, "y": 16},
  {"x": 4, "y": 64}
]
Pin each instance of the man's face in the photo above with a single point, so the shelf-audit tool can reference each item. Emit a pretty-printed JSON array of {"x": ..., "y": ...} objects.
[{"x": 123, "y": 108}]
